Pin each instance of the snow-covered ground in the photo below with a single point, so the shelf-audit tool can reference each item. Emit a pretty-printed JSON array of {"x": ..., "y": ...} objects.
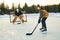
[{"x": 9, "y": 31}]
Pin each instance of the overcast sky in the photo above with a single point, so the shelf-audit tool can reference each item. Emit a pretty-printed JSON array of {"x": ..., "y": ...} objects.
[{"x": 30, "y": 2}]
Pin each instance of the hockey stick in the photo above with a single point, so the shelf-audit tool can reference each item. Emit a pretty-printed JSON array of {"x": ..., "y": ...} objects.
[
  {"x": 34, "y": 28},
  {"x": 32, "y": 31}
]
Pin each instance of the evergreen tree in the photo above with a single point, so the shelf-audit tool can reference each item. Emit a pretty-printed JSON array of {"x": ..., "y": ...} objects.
[
  {"x": 33, "y": 9},
  {"x": 19, "y": 6},
  {"x": 12, "y": 6},
  {"x": 2, "y": 8},
  {"x": 25, "y": 7},
  {"x": 59, "y": 8}
]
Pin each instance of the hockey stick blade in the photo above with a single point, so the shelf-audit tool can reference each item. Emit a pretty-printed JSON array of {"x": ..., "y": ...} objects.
[
  {"x": 32, "y": 31},
  {"x": 29, "y": 34}
]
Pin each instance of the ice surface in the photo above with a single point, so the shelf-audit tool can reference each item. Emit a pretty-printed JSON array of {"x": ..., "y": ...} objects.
[{"x": 9, "y": 31}]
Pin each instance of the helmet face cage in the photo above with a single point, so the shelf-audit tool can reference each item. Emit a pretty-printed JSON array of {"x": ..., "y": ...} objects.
[{"x": 17, "y": 10}]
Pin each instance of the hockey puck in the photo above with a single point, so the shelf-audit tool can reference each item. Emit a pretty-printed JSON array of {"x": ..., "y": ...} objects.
[{"x": 18, "y": 23}]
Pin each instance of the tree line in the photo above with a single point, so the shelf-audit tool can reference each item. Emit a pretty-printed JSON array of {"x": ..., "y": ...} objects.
[{"x": 32, "y": 9}]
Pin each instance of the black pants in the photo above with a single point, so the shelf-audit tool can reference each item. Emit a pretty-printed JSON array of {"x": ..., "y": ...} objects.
[{"x": 43, "y": 22}]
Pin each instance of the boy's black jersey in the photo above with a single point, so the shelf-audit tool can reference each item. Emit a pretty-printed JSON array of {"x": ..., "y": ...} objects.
[{"x": 18, "y": 13}]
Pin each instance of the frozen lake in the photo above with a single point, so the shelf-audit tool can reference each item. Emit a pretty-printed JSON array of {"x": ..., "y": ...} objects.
[{"x": 9, "y": 31}]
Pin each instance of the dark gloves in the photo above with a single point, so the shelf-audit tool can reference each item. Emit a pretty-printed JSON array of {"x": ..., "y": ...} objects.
[{"x": 39, "y": 20}]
